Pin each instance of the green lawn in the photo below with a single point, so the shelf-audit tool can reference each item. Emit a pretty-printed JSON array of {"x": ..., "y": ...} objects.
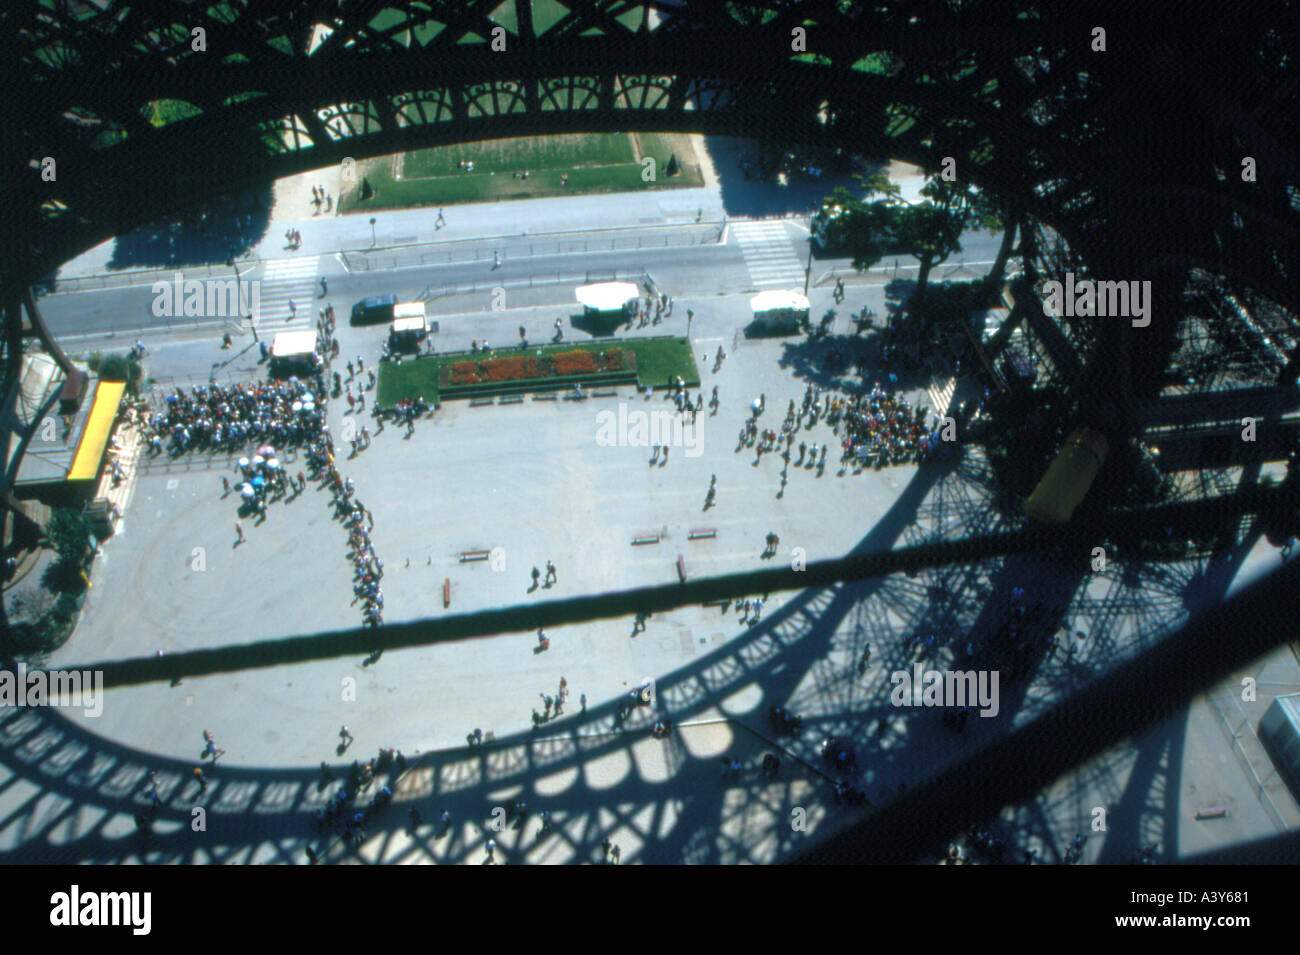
[
  {"x": 598, "y": 162},
  {"x": 658, "y": 361},
  {"x": 504, "y": 156}
]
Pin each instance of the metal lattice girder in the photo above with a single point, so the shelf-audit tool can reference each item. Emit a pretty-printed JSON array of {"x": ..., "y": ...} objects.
[
  {"x": 1013, "y": 90},
  {"x": 1120, "y": 705}
]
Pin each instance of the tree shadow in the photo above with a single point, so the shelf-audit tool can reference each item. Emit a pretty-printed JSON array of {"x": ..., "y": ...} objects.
[{"x": 210, "y": 233}]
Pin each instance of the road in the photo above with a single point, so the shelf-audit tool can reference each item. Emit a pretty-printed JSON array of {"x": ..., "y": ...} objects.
[{"x": 458, "y": 277}]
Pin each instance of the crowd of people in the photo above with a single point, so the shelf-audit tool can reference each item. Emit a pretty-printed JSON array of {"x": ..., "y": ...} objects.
[
  {"x": 880, "y": 427},
  {"x": 285, "y": 414},
  {"x": 360, "y": 522},
  {"x": 360, "y": 777}
]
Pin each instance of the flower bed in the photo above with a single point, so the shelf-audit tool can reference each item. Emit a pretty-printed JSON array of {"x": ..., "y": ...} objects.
[{"x": 525, "y": 367}]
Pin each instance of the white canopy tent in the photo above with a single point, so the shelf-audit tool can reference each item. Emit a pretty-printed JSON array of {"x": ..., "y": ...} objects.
[
  {"x": 410, "y": 317},
  {"x": 779, "y": 307},
  {"x": 607, "y": 296},
  {"x": 293, "y": 344}
]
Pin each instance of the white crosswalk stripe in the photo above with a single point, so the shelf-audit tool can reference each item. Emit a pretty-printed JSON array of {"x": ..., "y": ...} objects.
[
  {"x": 941, "y": 392},
  {"x": 768, "y": 253},
  {"x": 284, "y": 281}
]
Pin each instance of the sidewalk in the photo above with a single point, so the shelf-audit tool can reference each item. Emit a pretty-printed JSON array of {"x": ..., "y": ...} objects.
[{"x": 326, "y": 234}]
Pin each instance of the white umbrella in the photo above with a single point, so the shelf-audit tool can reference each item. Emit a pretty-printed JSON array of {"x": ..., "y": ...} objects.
[
  {"x": 258, "y": 460},
  {"x": 273, "y": 464},
  {"x": 243, "y": 462},
  {"x": 266, "y": 450},
  {"x": 297, "y": 406},
  {"x": 246, "y": 490}
]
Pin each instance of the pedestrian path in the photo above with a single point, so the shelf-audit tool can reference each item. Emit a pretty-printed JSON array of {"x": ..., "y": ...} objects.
[
  {"x": 768, "y": 253},
  {"x": 284, "y": 281},
  {"x": 941, "y": 391},
  {"x": 125, "y": 446}
]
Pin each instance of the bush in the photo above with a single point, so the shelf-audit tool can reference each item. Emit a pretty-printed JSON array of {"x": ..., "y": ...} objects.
[
  {"x": 124, "y": 368},
  {"x": 69, "y": 533}
]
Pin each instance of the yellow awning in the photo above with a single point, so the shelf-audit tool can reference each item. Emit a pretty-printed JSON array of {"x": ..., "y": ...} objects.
[{"x": 108, "y": 396}]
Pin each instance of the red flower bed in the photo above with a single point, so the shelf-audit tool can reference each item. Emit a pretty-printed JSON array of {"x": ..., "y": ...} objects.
[
  {"x": 513, "y": 368},
  {"x": 574, "y": 363},
  {"x": 522, "y": 367},
  {"x": 466, "y": 373},
  {"x": 587, "y": 362}
]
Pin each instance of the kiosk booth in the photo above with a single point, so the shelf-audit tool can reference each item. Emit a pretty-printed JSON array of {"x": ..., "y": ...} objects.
[
  {"x": 606, "y": 304},
  {"x": 410, "y": 326},
  {"x": 779, "y": 311},
  {"x": 294, "y": 353}
]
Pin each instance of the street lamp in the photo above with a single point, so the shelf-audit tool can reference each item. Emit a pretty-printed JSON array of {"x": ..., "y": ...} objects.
[
  {"x": 239, "y": 298},
  {"x": 372, "y": 232}
]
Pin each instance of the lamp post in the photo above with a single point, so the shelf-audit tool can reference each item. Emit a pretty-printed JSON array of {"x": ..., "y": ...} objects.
[
  {"x": 239, "y": 297},
  {"x": 373, "y": 240}
]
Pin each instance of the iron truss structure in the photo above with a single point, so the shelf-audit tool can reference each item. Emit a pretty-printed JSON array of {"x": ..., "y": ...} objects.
[{"x": 1133, "y": 156}]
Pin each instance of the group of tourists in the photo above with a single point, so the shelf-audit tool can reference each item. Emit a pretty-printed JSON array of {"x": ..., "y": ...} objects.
[
  {"x": 285, "y": 414},
  {"x": 360, "y": 777},
  {"x": 326, "y": 343},
  {"x": 661, "y": 305},
  {"x": 880, "y": 428},
  {"x": 368, "y": 568},
  {"x": 404, "y": 411}
]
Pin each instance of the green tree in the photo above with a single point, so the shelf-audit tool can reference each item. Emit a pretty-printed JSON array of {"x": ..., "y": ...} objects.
[
  {"x": 68, "y": 532},
  {"x": 931, "y": 230},
  {"x": 866, "y": 230},
  {"x": 123, "y": 368}
]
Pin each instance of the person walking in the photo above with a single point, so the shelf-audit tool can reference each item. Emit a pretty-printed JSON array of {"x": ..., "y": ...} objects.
[
  {"x": 551, "y": 576},
  {"x": 201, "y": 780},
  {"x": 239, "y": 533},
  {"x": 210, "y": 747},
  {"x": 345, "y": 738}
]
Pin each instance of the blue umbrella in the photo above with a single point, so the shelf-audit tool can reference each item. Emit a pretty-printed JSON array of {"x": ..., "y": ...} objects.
[{"x": 258, "y": 482}]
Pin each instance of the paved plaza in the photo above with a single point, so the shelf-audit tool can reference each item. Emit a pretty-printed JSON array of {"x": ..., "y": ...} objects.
[
  {"x": 537, "y": 480},
  {"x": 532, "y": 482}
]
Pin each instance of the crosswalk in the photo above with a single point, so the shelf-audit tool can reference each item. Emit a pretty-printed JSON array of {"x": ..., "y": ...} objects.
[
  {"x": 284, "y": 281},
  {"x": 941, "y": 391},
  {"x": 768, "y": 253}
]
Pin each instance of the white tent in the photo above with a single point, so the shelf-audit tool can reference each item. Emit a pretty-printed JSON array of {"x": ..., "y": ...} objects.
[
  {"x": 409, "y": 317},
  {"x": 780, "y": 308},
  {"x": 607, "y": 296},
  {"x": 292, "y": 344},
  {"x": 779, "y": 300}
]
